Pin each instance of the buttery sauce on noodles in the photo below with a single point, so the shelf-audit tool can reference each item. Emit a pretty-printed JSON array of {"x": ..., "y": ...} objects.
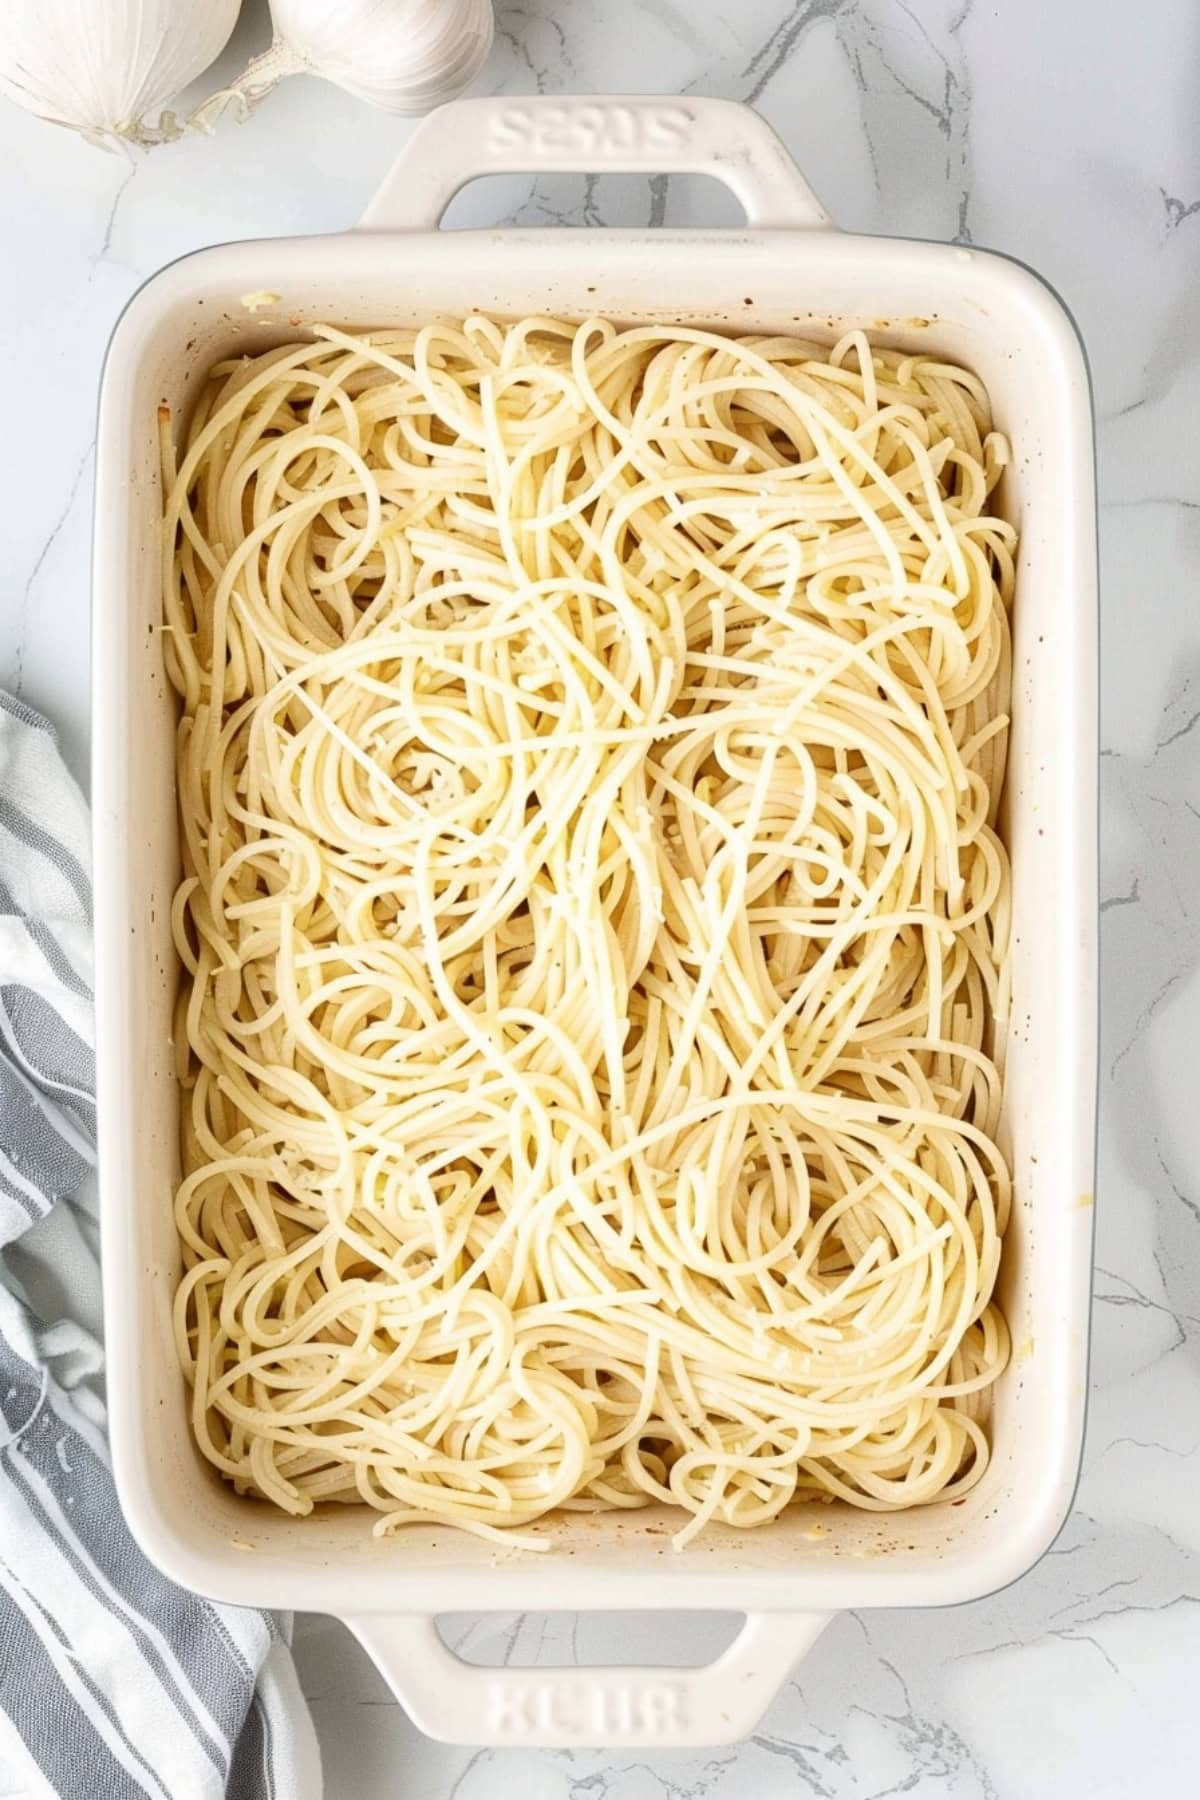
[{"x": 593, "y": 925}]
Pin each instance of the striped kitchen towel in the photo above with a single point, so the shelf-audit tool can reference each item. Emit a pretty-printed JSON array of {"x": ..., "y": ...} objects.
[{"x": 114, "y": 1683}]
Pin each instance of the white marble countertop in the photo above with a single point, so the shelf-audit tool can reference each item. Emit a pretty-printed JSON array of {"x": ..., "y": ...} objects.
[{"x": 1065, "y": 133}]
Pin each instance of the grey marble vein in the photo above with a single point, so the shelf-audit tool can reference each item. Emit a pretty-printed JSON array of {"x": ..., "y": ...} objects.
[
  {"x": 1177, "y": 211},
  {"x": 31, "y": 580},
  {"x": 110, "y": 223}
]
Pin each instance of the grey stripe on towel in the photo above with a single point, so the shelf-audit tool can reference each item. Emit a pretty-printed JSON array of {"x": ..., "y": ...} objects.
[
  {"x": 68, "y": 1449},
  {"x": 30, "y": 1142},
  {"x": 56, "y": 854},
  {"x": 54, "y": 1057},
  {"x": 64, "y": 1742},
  {"x": 41, "y": 934}
]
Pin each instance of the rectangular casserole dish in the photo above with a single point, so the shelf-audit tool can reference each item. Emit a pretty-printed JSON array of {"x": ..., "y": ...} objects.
[{"x": 787, "y": 271}]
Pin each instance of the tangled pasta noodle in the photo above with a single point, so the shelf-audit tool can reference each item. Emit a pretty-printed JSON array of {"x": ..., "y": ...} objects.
[{"x": 593, "y": 923}]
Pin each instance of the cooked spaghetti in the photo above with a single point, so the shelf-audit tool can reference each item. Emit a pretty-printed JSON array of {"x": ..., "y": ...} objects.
[{"x": 594, "y": 926}]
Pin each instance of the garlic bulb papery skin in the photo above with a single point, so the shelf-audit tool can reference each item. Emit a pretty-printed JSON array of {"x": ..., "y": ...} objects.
[
  {"x": 107, "y": 68},
  {"x": 405, "y": 56},
  {"x": 392, "y": 53}
]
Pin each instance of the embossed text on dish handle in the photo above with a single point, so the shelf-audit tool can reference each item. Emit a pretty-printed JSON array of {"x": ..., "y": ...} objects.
[
  {"x": 596, "y": 1711},
  {"x": 602, "y": 129}
]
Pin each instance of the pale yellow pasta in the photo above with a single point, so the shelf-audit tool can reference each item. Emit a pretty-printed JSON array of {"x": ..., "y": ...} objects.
[{"x": 593, "y": 924}]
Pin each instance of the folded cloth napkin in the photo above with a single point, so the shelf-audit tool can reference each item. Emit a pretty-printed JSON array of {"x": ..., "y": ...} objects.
[{"x": 114, "y": 1683}]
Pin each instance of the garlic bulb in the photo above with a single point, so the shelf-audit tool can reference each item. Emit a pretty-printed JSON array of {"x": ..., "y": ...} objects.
[
  {"x": 105, "y": 67},
  {"x": 403, "y": 55}
]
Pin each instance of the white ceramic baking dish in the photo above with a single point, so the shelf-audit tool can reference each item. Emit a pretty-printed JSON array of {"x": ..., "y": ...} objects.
[{"x": 788, "y": 270}]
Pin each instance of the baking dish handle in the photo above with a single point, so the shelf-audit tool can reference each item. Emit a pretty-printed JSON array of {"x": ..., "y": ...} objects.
[
  {"x": 553, "y": 1708},
  {"x": 592, "y": 135}
]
